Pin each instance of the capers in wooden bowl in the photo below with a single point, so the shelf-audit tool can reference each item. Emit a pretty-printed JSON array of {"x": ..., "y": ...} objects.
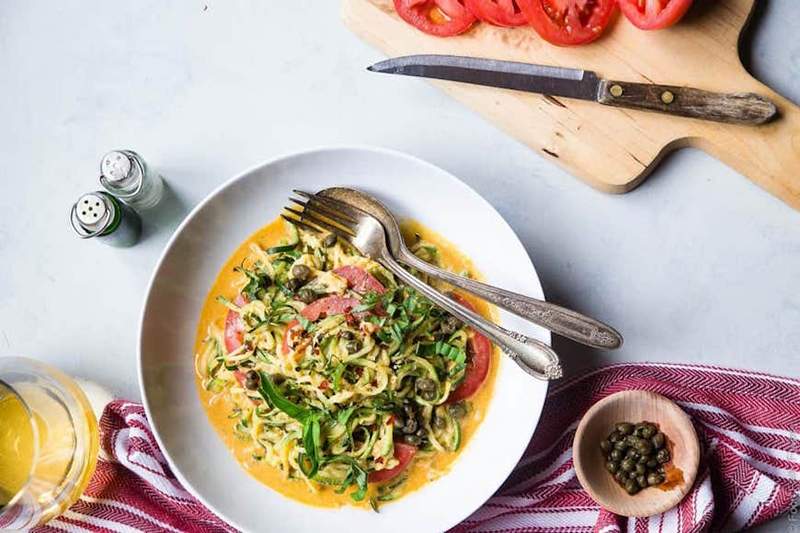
[{"x": 635, "y": 455}]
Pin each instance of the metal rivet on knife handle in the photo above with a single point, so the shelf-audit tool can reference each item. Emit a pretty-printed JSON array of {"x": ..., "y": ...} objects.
[
  {"x": 616, "y": 90},
  {"x": 667, "y": 97}
]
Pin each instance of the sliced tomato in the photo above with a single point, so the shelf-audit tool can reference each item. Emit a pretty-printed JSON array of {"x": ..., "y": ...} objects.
[
  {"x": 359, "y": 279},
  {"x": 568, "y": 22},
  {"x": 330, "y": 305},
  {"x": 479, "y": 349},
  {"x": 654, "y": 14},
  {"x": 497, "y": 12},
  {"x": 442, "y": 18},
  {"x": 404, "y": 453},
  {"x": 235, "y": 326}
]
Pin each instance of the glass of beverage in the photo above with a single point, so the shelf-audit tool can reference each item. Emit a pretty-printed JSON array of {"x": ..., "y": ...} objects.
[{"x": 48, "y": 443}]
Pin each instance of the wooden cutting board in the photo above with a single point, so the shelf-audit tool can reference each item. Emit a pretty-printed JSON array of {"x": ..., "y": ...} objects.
[{"x": 614, "y": 149}]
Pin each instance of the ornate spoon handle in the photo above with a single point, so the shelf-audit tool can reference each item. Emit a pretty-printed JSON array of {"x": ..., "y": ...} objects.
[{"x": 557, "y": 319}]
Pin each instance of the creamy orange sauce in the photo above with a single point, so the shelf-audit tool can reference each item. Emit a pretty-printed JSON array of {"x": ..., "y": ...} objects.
[{"x": 425, "y": 467}]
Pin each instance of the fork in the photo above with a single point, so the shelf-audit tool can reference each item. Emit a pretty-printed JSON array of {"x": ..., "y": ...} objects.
[{"x": 366, "y": 234}]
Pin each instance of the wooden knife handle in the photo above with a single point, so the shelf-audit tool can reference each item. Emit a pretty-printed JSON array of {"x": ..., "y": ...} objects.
[{"x": 734, "y": 108}]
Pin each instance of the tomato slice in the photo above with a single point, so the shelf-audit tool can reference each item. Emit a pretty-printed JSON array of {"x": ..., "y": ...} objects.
[
  {"x": 403, "y": 453},
  {"x": 234, "y": 326},
  {"x": 359, "y": 279},
  {"x": 330, "y": 305},
  {"x": 480, "y": 351},
  {"x": 654, "y": 14},
  {"x": 568, "y": 22},
  {"x": 497, "y": 12},
  {"x": 442, "y": 18}
]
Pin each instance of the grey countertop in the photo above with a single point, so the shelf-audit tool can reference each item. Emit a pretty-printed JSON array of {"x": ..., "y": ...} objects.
[{"x": 697, "y": 265}]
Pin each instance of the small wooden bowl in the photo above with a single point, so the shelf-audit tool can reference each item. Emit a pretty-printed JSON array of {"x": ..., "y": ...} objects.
[{"x": 635, "y": 406}]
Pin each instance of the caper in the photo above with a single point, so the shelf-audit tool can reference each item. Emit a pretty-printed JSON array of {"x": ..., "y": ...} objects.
[
  {"x": 410, "y": 426},
  {"x": 641, "y": 481},
  {"x": 612, "y": 467},
  {"x": 625, "y": 428},
  {"x": 648, "y": 431},
  {"x": 641, "y": 469},
  {"x": 346, "y": 334},
  {"x": 644, "y": 447},
  {"x": 615, "y": 436},
  {"x": 606, "y": 445},
  {"x": 293, "y": 284},
  {"x": 620, "y": 445},
  {"x": 306, "y": 295},
  {"x": 661, "y": 469},
  {"x": 658, "y": 440},
  {"x": 252, "y": 380},
  {"x": 651, "y": 463},
  {"x": 352, "y": 346},
  {"x": 632, "y": 440},
  {"x": 627, "y": 465},
  {"x": 643, "y": 459},
  {"x": 413, "y": 440},
  {"x": 654, "y": 479},
  {"x": 329, "y": 240},
  {"x": 616, "y": 455},
  {"x": 632, "y": 474},
  {"x": 619, "y": 476},
  {"x": 663, "y": 456},
  {"x": 631, "y": 487},
  {"x": 457, "y": 410},
  {"x": 301, "y": 272}
]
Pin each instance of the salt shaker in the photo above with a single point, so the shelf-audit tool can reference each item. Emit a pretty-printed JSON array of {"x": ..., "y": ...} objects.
[{"x": 124, "y": 174}]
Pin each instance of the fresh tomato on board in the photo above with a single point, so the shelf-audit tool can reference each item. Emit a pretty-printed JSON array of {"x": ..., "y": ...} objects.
[
  {"x": 497, "y": 12},
  {"x": 442, "y": 18},
  {"x": 568, "y": 22},
  {"x": 359, "y": 279},
  {"x": 480, "y": 357},
  {"x": 403, "y": 453},
  {"x": 234, "y": 326},
  {"x": 654, "y": 14}
]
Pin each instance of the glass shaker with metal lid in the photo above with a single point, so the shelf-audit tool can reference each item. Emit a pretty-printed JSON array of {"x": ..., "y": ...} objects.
[
  {"x": 124, "y": 174},
  {"x": 99, "y": 215}
]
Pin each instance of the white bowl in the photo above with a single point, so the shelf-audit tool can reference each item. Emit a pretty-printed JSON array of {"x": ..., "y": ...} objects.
[{"x": 189, "y": 265}]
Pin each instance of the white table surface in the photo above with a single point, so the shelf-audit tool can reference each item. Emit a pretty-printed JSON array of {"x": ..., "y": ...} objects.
[{"x": 697, "y": 265}]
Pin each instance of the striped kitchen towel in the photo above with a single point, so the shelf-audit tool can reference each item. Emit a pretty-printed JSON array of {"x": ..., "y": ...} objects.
[{"x": 749, "y": 425}]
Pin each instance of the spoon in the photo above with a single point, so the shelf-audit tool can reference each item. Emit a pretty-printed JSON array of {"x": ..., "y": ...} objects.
[
  {"x": 366, "y": 234},
  {"x": 557, "y": 319}
]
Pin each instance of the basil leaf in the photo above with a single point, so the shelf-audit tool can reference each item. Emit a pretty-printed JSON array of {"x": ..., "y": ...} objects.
[{"x": 274, "y": 397}]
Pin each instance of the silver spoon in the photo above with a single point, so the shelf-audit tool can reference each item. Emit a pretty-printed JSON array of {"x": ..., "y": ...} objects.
[
  {"x": 557, "y": 319},
  {"x": 367, "y": 234}
]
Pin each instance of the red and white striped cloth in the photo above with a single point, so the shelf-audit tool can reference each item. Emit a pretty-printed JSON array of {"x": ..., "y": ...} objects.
[{"x": 749, "y": 424}]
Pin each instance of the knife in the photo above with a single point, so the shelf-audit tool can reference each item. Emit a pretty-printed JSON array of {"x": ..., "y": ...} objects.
[{"x": 733, "y": 108}]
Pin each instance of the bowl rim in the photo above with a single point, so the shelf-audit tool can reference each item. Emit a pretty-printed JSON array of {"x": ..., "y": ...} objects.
[
  {"x": 286, "y": 156},
  {"x": 684, "y": 420}
]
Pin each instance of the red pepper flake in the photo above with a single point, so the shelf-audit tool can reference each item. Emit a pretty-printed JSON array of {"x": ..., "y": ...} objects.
[
  {"x": 324, "y": 385},
  {"x": 379, "y": 460},
  {"x": 390, "y": 420}
]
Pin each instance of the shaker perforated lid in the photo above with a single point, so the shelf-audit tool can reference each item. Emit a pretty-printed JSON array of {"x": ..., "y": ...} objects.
[
  {"x": 91, "y": 210},
  {"x": 115, "y": 166}
]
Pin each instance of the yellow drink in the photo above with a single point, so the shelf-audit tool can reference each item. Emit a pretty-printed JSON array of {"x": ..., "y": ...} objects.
[
  {"x": 16, "y": 445},
  {"x": 48, "y": 443}
]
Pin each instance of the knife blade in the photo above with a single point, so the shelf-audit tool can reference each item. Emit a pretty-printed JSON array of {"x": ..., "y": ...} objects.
[{"x": 734, "y": 108}]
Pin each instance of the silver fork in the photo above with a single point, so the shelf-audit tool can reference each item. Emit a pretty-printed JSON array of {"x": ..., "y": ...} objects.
[{"x": 320, "y": 214}]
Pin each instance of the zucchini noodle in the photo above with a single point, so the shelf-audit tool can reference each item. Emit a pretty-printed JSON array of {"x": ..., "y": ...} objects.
[{"x": 329, "y": 364}]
